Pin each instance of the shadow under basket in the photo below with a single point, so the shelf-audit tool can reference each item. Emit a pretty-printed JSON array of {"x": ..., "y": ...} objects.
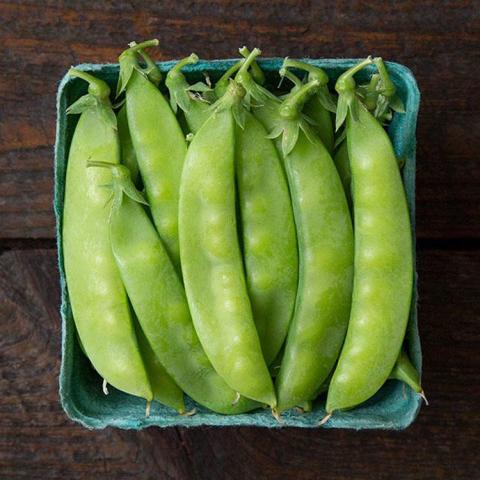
[{"x": 394, "y": 407}]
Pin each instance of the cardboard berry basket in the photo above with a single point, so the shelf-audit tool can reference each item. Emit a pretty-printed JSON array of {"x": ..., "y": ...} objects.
[{"x": 394, "y": 407}]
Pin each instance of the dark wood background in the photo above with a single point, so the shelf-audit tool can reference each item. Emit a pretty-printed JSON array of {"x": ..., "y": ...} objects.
[{"x": 438, "y": 40}]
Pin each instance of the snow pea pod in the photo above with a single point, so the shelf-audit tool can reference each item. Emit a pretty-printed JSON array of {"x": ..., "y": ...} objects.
[
  {"x": 211, "y": 257},
  {"x": 268, "y": 234},
  {"x": 98, "y": 298},
  {"x": 268, "y": 230},
  {"x": 159, "y": 144},
  {"x": 159, "y": 301},
  {"x": 320, "y": 106},
  {"x": 325, "y": 245},
  {"x": 383, "y": 276}
]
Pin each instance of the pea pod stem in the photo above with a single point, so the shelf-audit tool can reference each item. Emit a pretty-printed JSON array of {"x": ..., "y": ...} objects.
[
  {"x": 249, "y": 60},
  {"x": 285, "y": 73},
  {"x": 388, "y": 87},
  {"x": 314, "y": 73},
  {"x": 346, "y": 82},
  {"x": 230, "y": 72},
  {"x": 222, "y": 84},
  {"x": 257, "y": 72},
  {"x": 190, "y": 60},
  {"x": 135, "y": 47},
  {"x": 151, "y": 70},
  {"x": 96, "y": 87},
  {"x": 292, "y": 106}
]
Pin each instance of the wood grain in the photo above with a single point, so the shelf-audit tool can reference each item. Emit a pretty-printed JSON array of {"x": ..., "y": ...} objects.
[
  {"x": 38, "y": 441},
  {"x": 437, "y": 40}
]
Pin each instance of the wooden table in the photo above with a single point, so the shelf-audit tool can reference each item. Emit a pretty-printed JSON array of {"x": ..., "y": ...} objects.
[{"x": 439, "y": 41}]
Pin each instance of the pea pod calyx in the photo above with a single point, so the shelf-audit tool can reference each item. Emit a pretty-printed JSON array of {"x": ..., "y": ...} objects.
[
  {"x": 254, "y": 91},
  {"x": 314, "y": 73},
  {"x": 387, "y": 99},
  {"x": 256, "y": 71},
  {"x": 122, "y": 183},
  {"x": 347, "y": 98},
  {"x": 233, "y": 99},
  {"x": 290, "y": 120},
  {"x": 97, "y": 98},
  {"x": 181, "y": 92},
  {"x": 128, "y": 61}
]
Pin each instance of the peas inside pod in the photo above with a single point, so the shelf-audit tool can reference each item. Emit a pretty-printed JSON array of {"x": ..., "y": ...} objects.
[{"x": 241, "y": 238}]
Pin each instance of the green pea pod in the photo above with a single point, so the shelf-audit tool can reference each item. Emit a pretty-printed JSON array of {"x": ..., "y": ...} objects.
[
  {"x": 159, "y": 301},
  {"x": 211, "y": 257},
  {"x": 98, "y": 298},
  {"x": 383, "y": 276},
  {"x": 164, "y": 388},
  {"x": 159, "y": 144},
  {"x": 268, "y": 229},
  {"x": 320, "y": 106},
  {"x": 325, "y": 245},
  {"x": 268, "y": 234}
]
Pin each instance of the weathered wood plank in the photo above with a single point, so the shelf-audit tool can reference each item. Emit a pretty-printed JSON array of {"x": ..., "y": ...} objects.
[
  {"x": 438, "y": 41},
  {"x": 38, "y": 441}
]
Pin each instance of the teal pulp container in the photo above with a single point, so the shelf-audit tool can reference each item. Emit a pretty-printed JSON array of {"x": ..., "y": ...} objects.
[{"x": 394, "y": 407}]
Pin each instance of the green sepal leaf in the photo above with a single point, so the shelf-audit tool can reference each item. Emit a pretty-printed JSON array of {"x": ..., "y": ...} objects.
[
  {"x": 199, "y": 87},
  {"x": 275, "y": 132},
  {"x": 396, "y": 104},
  {"x": 239, "y": 115},
  {"x": 381, "y": 107},
  {"x": 83, "y": 103},
  {"x": 353, "y": 107},
  {"x": 108, "y": 116},
  {"x": 342, "y": 110},
  {"x": 182, "y": 99},
  {"x": 247, "y": 101},
  {"x": 261, "y": 95},
  {"x": 309, "y": 133},
  {"x": 290, "y": 136},
  {"x": 326, "y": 99},
  {"x": 126, "y": 70}
]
